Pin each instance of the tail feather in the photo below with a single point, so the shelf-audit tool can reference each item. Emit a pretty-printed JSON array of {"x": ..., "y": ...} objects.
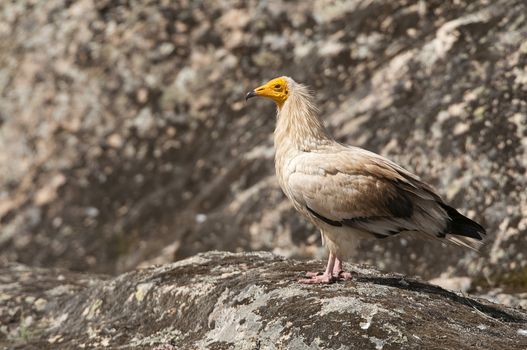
[
  {"x": 466, "y": 242},
  {"x": 462, "y": 230}
]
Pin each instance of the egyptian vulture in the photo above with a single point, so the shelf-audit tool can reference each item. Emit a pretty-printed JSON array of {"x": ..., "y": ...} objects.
[{"x": 347, "y": 192}]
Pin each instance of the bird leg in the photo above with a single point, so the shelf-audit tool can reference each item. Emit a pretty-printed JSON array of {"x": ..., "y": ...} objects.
[
  {"x": 339, "y": 273},
  {"x": 325, "y": 278}
]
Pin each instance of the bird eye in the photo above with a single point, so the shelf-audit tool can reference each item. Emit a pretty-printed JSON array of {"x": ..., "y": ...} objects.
[{"x": 277, "y": 86}]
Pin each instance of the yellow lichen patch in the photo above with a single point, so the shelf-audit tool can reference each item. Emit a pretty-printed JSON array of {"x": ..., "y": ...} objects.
[
  {"x": 40, "y": 304},
  {"x": 93, "y": 310},
  {"x": 54, "y": 339},
  {"x": 141, "y": 290}
]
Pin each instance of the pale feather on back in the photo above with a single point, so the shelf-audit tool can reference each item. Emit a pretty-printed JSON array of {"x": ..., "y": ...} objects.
[{"x": 350, "y": 191}]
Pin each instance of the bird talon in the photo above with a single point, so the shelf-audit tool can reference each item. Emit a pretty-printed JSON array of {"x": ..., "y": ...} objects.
[
  {"x": 344, "y": 276},
  {"x": 336, "y": 273},
  {"x": 318, "y": 279}
]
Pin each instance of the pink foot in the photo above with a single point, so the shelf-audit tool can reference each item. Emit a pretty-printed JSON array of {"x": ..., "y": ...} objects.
[
  {"x": 332, "y": 274},
  {"x": 342, "y": 275},
  {"x": 318, "y": 279}
]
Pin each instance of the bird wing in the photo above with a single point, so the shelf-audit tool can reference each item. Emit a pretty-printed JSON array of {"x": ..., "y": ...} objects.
[{"x": 352, "y": 187}]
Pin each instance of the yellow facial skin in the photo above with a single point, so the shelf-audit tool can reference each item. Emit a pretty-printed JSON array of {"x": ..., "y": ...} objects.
[{"x": 275, "y": 90}]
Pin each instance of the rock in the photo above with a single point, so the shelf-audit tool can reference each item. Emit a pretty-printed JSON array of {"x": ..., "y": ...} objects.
[
  {"x": 136, "y": 112},
  {"x": 221, "y": 300}
]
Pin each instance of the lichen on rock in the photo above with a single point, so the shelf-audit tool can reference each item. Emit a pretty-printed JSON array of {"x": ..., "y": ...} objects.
[{"x": 222, "y": 300}]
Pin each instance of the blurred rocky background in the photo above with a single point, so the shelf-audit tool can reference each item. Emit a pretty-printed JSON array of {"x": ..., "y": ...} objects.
[{"x": 125, "y": 138}]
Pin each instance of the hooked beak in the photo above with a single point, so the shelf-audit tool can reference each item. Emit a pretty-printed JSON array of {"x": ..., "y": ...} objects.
[{"x": 250, "y": 94}]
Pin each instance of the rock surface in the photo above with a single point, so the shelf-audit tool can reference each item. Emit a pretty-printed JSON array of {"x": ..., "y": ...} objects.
[
  {"x": 125, "y": 137},
  {"x": 223, "y": 300}
]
